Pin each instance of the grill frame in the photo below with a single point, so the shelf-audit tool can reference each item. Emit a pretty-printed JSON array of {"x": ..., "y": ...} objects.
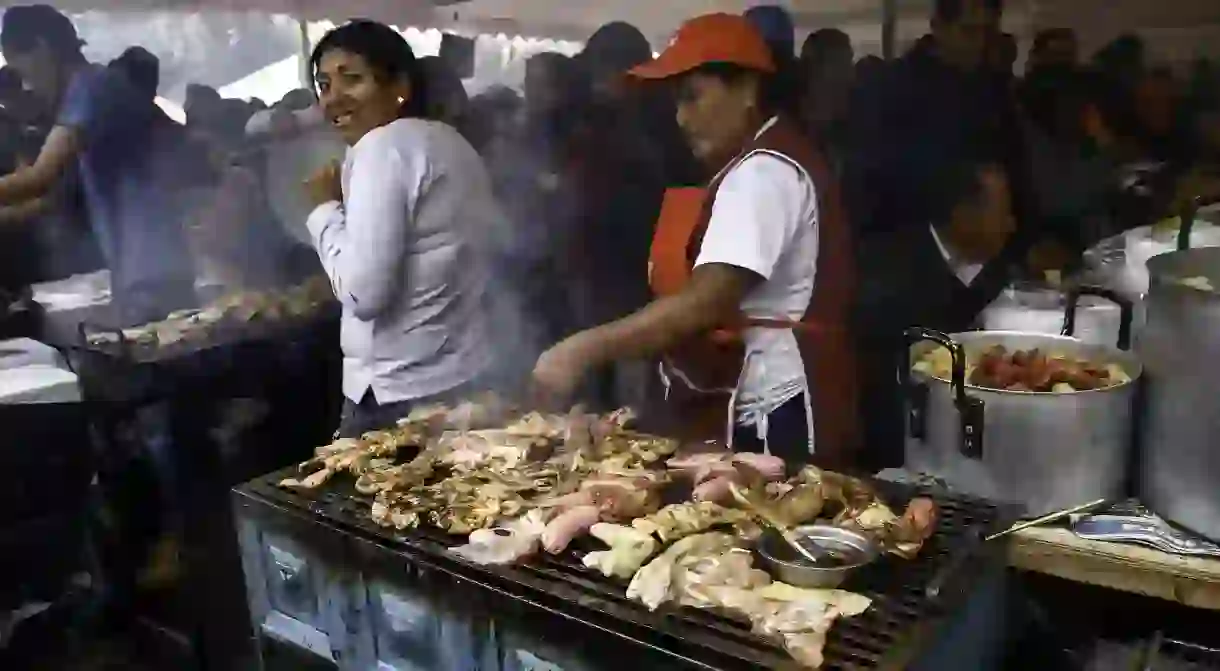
[{"x": 892, "y": 634}]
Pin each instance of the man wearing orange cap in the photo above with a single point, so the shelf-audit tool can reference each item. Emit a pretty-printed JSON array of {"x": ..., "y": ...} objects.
[{"x": 752, "y": 272}]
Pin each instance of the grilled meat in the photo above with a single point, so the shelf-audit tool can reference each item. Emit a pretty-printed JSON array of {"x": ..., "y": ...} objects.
[
  {"x": 677, "y": 521},
  {"x": 567, "y": 526},
  {"x": 659, "y": 580},
  {"x": 629, "y": 549},
  {"x": 504, "y": 544}
]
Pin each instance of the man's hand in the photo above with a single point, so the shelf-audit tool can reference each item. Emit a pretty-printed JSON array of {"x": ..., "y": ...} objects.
[{"x": 325, "y": 185}]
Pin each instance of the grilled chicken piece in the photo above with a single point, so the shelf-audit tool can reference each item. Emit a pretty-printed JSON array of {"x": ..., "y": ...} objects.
[
  {"x": 654, "y": 585},
  {"x": 679, "y": 520},
  {"x": 505, "y": 544},
  {"x": 629, "y": 549}
]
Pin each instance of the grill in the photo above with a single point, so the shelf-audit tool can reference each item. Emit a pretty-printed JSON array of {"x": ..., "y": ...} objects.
[
  {"x": 231, "y": 360},
  {"x": 888, "y": 635}
]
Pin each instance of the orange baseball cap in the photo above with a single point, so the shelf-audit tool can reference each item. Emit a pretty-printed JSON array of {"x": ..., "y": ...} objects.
[{"x": 711, "y": 38}]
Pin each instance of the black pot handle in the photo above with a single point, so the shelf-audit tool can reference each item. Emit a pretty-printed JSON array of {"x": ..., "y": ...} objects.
[
  {"x": 1187, "y": 218},
  {"x": 1186, "y": 223},
  {"x": 1125, "y": 306},
  {"x": 969, "y": 408},
  {"x": 84, "y": 328}
]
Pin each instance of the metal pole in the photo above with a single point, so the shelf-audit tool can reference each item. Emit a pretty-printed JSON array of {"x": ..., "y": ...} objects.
[
  {"x": 306, "y": 50},
  {"x": 889, "y": 28}
]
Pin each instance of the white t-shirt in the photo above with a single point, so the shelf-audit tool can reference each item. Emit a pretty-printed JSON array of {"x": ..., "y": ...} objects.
[{"x": 764, "y": 219}]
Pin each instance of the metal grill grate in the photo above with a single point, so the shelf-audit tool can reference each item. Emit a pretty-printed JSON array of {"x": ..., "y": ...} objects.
[{"x": 887, "y": 634}]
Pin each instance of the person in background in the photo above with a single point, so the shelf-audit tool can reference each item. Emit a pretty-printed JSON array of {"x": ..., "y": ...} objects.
[
  {"x": 398, "y": 231},
  {"x": 625, "y": 151},
  {"x": 827, "y": 80},
  {"x": 201, "y": 104},
  {"x": 775, "y": 24},
  {"x": 1123, "y": 60},
  {"x": 1072, "y": 168},
  {"x": 611, "y": 51},
  {"x": 1053, "y": 47},
  {"x": 936, "y": 103},
  {"x": 740, "y": 255},
  {"x": 297, "y": 141},
  {"x": 447, "y": 97},
  {"x": 491, "y": 117},
  {"x": 105, "y": 127},
  {"x": 19, "y": 265},
  {"x": 938, "y": 274},
  {"x": 1002, "y": 55},
  {"x": 531, "y": 171}
]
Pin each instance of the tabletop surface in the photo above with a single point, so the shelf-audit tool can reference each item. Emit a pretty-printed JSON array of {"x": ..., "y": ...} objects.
[{"x": 1190, "y": 581}]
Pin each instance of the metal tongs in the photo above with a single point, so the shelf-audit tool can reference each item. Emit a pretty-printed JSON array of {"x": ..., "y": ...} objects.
[
  {"x": 975, "y": 540},
  {"x": 794, "y": 541}
]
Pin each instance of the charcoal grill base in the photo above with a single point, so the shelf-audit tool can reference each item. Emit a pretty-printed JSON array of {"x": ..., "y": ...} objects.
[{"x": 902, "y": 630}]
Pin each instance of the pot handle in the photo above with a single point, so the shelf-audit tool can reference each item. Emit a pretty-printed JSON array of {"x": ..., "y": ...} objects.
[
  {"x": 969, "y": 408},
  {"x": 1187, "y": 217},
  {"x": 1186, "y": 224},
  {"x": 1125, "y": 306}
]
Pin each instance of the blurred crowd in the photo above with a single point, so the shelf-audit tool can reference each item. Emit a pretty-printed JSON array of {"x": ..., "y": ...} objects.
[{"x": 580, "y": 160}]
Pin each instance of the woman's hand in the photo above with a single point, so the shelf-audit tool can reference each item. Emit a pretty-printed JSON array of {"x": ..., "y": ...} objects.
[
  {"x": 560, "y": 370},
  {"x": 325, "y": 185}
]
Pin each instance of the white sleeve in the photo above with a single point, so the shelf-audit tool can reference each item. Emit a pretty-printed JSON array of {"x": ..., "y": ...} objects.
[
  {"x": 759, "y": 207},
  {"x": 363, "y": 242}
]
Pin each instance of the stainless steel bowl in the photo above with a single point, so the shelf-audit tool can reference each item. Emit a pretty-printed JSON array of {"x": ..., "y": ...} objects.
[{"x": 844, "y": 550}]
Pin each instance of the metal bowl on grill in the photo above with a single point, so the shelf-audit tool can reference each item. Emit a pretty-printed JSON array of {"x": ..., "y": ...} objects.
[{"x": 842, "y": 551}]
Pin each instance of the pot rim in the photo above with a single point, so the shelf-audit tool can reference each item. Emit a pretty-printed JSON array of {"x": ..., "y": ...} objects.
[{"x": 1126, "y": 359}]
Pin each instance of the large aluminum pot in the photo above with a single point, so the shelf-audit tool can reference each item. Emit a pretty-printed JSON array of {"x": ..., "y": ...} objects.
[
  {"x": 1045, "y": 451},
  {"x": 1039, "y": 308},
  {"x": 1180, "y": 345}
]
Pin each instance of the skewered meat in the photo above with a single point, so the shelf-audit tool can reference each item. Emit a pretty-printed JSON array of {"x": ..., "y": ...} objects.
[
  {"x": 655, "y": 583},
  {"x": 506, "y": 544},
  {"x": 679, "y": 520},
  {"x": 567, "y": 526},
  {"x": 629, "y": 549}
]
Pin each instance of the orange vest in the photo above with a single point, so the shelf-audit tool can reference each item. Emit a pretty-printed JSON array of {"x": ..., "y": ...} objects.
[{"x": 713, "y": 362}]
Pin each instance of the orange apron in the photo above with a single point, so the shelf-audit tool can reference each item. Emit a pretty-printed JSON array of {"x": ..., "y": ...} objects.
[{"x": 703, "y": 373}]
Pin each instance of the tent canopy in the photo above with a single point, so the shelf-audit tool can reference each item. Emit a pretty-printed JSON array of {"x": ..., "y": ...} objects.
[{"x": 560, "y": 19}]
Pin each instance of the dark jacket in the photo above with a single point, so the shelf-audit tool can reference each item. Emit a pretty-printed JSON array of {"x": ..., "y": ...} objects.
[
  {"x": 905, "y": 281},
  {"x": 916, "y": 115}
]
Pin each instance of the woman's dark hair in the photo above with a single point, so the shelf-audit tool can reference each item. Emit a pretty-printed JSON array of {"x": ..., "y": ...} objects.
[
  {"x": 386, "y": 51},
  {"x": 773, "y": 95}
]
